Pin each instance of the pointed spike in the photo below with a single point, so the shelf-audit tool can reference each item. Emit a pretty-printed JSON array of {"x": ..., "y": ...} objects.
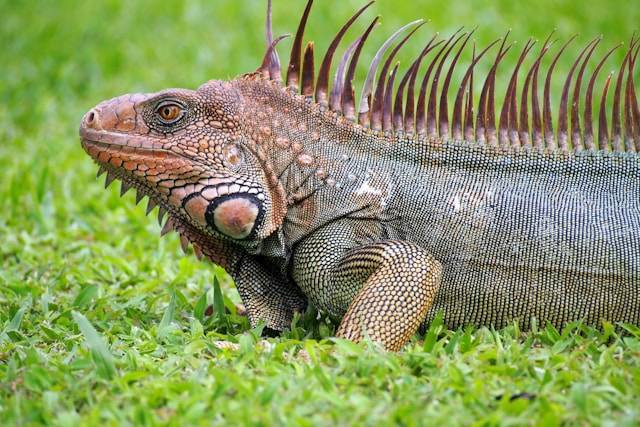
[
  {"x": 150, "y": 206},
  {"x": 432, "y": 130},
  {"x": 387, "y": 124},
  {"x": 109, "y": 179},
  {"x": 524, "y": 113},
  {"x": 161, "y": 213},
  {"x": 101, "y": 170},
  {"x": 409, "y": 115},
  {"x": 506, "y": 112},
  {"x": 546, "y": 111},
  {"x": 348, "y": 95},
  {"x": 293, "y": 70},
  {"x": 308, "y": 71},
  {"x": 421, "y": 127},
  {"x": 635, "y": 109},
  {"x": 468, "y": 113},
  {"x": 490, "y": 120},
  {"x": 274, "y": 60},
  {"x": 267, "y": 67},
  {"x": 514, "y": 137},
  {"x": 378, "y": 97},
  {"x": 481, "y": 117},
  {"x": 457, "y": 108},
  {"x": 603, "y": 132},
  {"x": 629, "y": 102},
  {"x": 588, "y": 107},
  {"x": 124, "y": 187},
  {"x": 363, "y": 109},
  {"x": 184, "y": 243},
  {"x": 444, "y": 107},
  {"x": 616, "y": 129},
  {"x": 536, "y": 119},
  {"x": 168, "y": 227},
  {"x": 338, "y": 81},
  {"x": 322, "y": 86},
  {"x": 398, "y": 114},
  {"x": 562, "y": 138},
  {"x": 139, "y": 196},
  {"x": 576, "y": 133}
]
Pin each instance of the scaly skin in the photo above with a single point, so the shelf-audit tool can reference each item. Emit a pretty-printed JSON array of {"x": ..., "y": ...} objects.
[{"x": 381, "y": 229}]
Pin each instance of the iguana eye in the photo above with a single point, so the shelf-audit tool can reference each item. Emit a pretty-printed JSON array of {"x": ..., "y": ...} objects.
[{"x": 169, "y": 112}]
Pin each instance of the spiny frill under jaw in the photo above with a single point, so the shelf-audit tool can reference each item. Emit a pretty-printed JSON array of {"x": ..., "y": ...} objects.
[
  {"x": 187, "y": 171},
  {"x": 522, "y": 121}
]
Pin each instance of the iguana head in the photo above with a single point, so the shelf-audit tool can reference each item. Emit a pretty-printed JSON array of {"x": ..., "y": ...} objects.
[{"x": 186, "y": 150}]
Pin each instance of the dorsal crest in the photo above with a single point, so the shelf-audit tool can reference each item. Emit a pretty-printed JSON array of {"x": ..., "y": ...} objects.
[{"x": 436, "y": 107}]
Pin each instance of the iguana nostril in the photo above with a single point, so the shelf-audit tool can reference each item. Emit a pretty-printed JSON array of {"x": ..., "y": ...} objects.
[{"x": 91, "y": 119}]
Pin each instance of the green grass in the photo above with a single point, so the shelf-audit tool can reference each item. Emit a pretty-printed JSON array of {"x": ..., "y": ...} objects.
[{"x": 102, "y": 322}]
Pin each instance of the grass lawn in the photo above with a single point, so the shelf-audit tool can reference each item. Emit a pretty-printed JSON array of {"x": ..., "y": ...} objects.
[{"x": 103, "y": 323}]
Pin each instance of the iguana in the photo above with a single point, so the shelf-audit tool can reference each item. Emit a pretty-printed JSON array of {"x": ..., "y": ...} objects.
[{"x": 413, "y": 203}]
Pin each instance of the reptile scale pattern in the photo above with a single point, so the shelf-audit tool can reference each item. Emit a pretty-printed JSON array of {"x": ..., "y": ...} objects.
[{"x": 414, "y": 203}]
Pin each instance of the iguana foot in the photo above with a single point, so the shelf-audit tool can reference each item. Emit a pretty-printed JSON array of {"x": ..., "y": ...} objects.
[{"x": 400, "y": 284}]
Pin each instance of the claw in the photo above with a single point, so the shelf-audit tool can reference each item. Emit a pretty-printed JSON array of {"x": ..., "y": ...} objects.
[{"x": 101, "y": 170}]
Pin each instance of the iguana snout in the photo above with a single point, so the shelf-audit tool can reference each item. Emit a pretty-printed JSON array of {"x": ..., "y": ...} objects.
[{"x": 186, "y": 150}]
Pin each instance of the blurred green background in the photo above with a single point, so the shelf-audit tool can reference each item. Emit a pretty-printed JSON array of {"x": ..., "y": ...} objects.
[{"x": 66, "y": 244}]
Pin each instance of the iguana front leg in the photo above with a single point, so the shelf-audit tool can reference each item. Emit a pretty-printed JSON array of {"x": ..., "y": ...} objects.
[
  {"x": 382, "y": 289},
  {"x": 268, "y": 296}
]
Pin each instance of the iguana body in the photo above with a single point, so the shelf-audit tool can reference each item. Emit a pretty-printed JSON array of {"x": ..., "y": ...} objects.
[{"x": 385, "y": 221}]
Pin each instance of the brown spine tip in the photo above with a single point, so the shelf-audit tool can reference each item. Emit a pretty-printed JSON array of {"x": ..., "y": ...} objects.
[
  {"x": 603, "y": 131},
  {"x": 634, "y": 103},
  {"x": 398, "y": 113},
  {"x": 348, "y": 95},
  {"x": 588, "y": 107},
  {"x": 274, "y": 60},
  {"x": 422, "y": 97},
  {"x": 267, "y": 62},
  {"x": 365, "y": 96},
  {"x": 308, "y": 71},
  {"x": 432, "y": 131},
  {"x": 444, "y": 106},
  {"x": 506, "y": 113},
  {"x": 546, "y": 112},
  {"x": 322, "y": 86},
  {"x": 524, "y": 112},
  {"x": 293, "y": 70},
  {"x": 338, "y": 81},
  {"x": 576, "y": 133},
  {"x": 468, "y": 114},
  {"x": 409, "y": 114},
  {"x": 457, "y": 106},
  {"x": 616, "y": 128},
  {"x": 483, "y": 104},
  {"x": 387, "y": 124},
  {"x": 562, "y": 138},
  {"x": 629, "y": 105},
  {"x": 378, "y": 97}
]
